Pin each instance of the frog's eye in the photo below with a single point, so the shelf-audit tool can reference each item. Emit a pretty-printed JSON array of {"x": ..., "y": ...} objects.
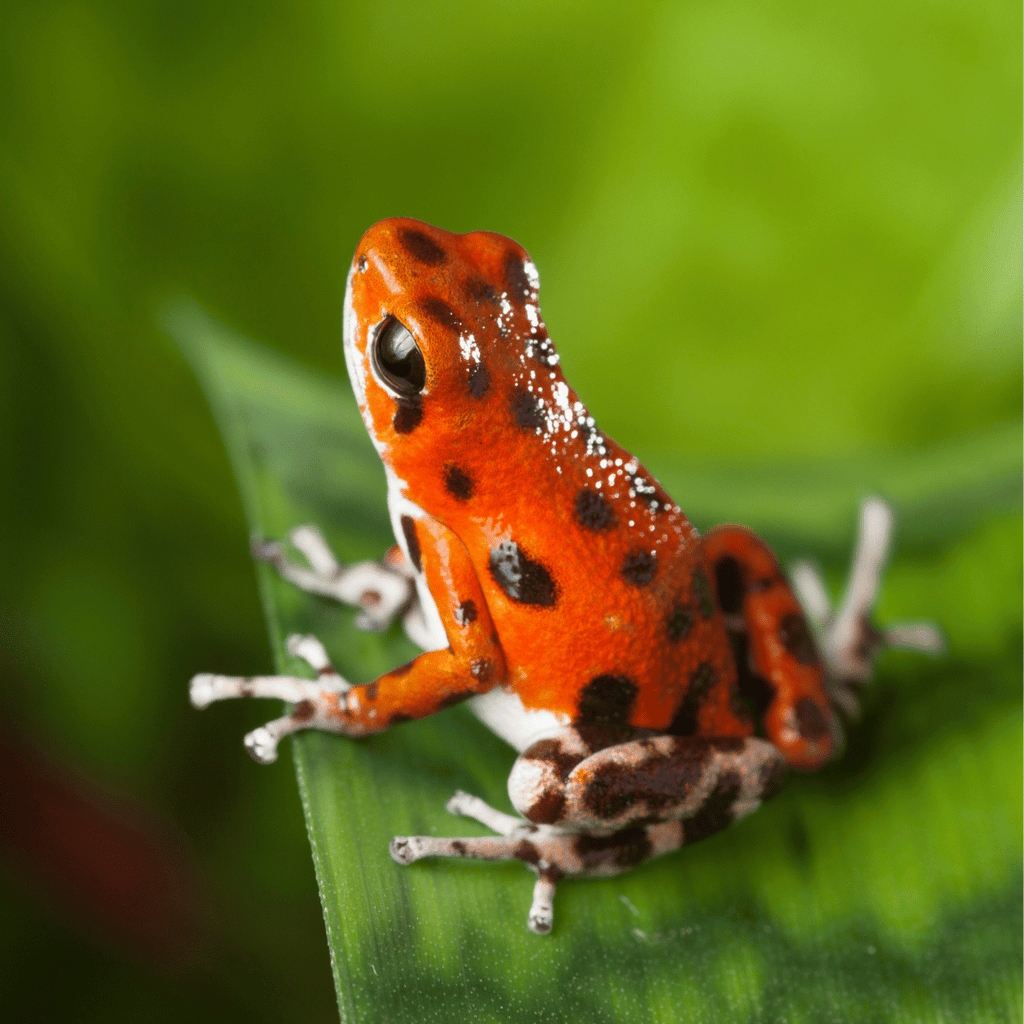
[{"x": 397, "y": 358}]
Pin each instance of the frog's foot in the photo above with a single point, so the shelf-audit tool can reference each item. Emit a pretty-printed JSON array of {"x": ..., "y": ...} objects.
[
  {"x": 547, "y": 853},
  {"x": 850, "y": 642},
  {"x": 516, "y": 840},
  {"x": 316, "y": 702},
  {"x": 381, "y": 591}
]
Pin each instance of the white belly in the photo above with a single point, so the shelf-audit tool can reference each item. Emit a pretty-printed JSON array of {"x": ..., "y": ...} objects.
[{"x": 503, "y": 713}]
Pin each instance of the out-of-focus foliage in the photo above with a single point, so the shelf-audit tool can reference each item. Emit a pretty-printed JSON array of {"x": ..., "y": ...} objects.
[{"x": 768, "y": 235}]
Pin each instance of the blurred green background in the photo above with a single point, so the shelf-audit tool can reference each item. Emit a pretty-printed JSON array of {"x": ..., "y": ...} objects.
[{"x": 767, "y": 233}]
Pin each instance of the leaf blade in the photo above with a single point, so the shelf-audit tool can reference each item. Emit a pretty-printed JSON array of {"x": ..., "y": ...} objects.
[{"x": 748, "y": 925}]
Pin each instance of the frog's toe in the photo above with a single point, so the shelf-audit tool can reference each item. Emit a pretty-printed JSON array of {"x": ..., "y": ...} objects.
[
  {"x": 403, "y": 850},
  {"x": 312, "y": 652},
  {"x": 370, "y": 623},
  {"x": 925, "y": 637},
  {"x": 266, "y": 550},
  {"x": 310, "y": 541},
  {"x": 466, "y": 805},
  {"x": 542, "y": 910},
  {"x": 458, "y": 802},
  {"x": 262, "y": 745},
  {"x": 206, "y": 688},
  {"x": 408, "y": 849},
  {"x": 202, "y": 690},
  {"x": 540, "y": 921}
]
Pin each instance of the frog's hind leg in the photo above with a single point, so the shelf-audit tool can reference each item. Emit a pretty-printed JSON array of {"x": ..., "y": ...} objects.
[
  {"x": 608, "y": 810},
  {"x": 773, "y": 644},
  {"x": 850, "y": 643},
  {"x": 382, "y": 591},
  {"x": 779, "y": 668},
  {"x": 579, "y": 781}
]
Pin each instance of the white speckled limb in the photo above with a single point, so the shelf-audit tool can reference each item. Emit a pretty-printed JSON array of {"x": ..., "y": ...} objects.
[
  {"x": 312, "y": 652},
  {"x": 850, "y": 640},
  {"x": 550, "y": 855},
  {"x": 468, "y": 806},
  {"x": 381, "y": 592},
  {"x": 317, "y": 700},
  {"x": 407, "y": 849},
  {"x": 850, "y": 643},
  {"x": 205, "y": 688},
  {"x": 914, "y": 636},
  {"x": 518, "y": 840},
  {"x": 811, "y": 591}
]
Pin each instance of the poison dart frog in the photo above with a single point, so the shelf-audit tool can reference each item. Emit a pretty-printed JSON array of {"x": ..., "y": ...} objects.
[{"x": 656, "y": 683}]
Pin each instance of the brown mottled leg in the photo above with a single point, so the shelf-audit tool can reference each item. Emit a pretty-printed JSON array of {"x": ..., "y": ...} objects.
[
  {"x": 564, "y": 782},
  {"x": 609, "y": 800}
]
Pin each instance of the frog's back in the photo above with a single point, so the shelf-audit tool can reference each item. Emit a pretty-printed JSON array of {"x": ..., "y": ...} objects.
[{"x": 599, "y": 593}]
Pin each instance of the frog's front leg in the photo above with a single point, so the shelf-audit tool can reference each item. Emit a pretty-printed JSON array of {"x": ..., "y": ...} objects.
[
  {"x": 594, "y": 810},
  {"x": 472, "y": 664},
  {"x": 382, "y": 591}
]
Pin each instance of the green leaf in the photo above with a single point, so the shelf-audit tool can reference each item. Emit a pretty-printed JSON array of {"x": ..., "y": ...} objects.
[{"x": 886, "y": 887}]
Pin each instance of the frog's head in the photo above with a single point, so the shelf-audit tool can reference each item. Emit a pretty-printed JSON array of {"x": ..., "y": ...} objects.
[{"x": 445, "y": 345}]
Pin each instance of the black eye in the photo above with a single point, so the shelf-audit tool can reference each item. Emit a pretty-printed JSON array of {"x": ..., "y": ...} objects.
[{"x": 397, "y": 358}]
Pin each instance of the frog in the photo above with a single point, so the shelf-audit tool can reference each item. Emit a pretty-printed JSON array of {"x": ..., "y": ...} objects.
[{"x": 656, "y": 684}]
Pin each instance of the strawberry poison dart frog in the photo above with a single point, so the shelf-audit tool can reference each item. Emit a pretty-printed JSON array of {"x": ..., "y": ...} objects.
[{"x": 656, "y": 683}]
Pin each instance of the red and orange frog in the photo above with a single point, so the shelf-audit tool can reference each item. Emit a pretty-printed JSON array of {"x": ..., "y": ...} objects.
[{"x": 655, "y": 682}]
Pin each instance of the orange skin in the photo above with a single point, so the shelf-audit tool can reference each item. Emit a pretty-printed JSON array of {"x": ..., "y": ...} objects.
[{"x": 498, "y": 449}]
